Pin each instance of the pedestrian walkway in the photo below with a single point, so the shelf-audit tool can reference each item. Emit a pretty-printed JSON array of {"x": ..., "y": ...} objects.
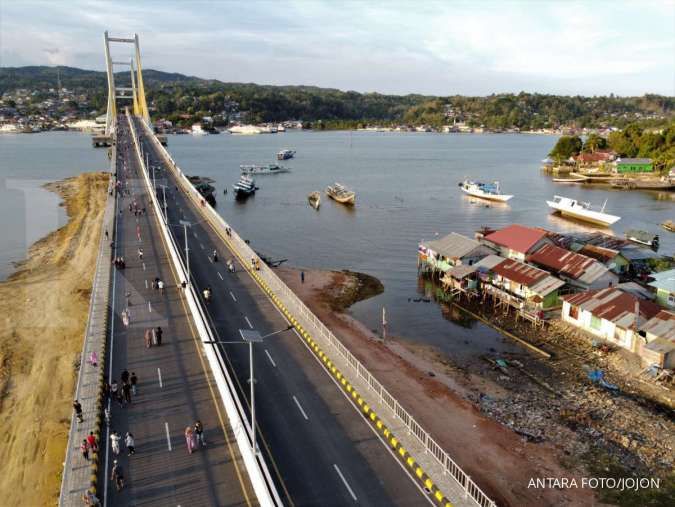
[{"x": 77, "y": 472}]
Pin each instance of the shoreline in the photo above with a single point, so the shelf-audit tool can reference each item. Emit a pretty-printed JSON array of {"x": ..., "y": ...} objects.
[
  {"x": 46, "y": 300},
  {"x": 507, "y": 425}
]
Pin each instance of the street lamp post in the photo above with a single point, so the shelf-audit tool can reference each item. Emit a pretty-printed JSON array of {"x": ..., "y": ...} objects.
[
  {"x": 166, "y": 216},
  {"x": 185, "y": 225}
]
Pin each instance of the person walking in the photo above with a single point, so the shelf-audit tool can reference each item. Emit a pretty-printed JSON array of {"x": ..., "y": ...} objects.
[
  {"x": 84, "y": 447},
  {"x": 126, "y": 391},
  {"x": 190, "y": 439},
  {"x": 93, "y": 359},
  {"x": 302, "y": 277},
  {"x": 140, "y": 254},
  {"x": 78, "y": 410},
  {"x": 117, "y": 475},
  {"x": 133, "y": 380},
  {"x": 106, "y": 233},
  {"x": 114, "y": 388},
  {"x": 115, "y": 442},
  {"x": 199, "y": 432},
  {"x": 160, "y": 286},
  {"x": 91, "y": 441},
  {"x": 129, "y": 442},
  {"x": 126, "y": 317},
  {"x": 158, "y": 335},
  {"x": 148, "y": 338},
  {"x": 124, "y": 376}
]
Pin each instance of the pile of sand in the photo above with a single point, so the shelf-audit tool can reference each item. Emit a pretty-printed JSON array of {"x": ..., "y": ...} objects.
[{"x": 44, "y": 308}]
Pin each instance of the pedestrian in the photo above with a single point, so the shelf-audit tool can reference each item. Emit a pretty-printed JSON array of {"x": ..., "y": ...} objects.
[
  {"x": 78, "y": 410},
  {"x": 106, "y": 391},
  {"x": 302, "y": 277},
  {"x": 91, "y": 440},
  {"x": 84, "y": 447},
  {"x": 257, "y": 264},
  {"x": 140, "y": 254},
  {"x": 158, "y": 335},
  {"x": 134, "y": 380},
  {"x": 93, "y": 359},
  {"x": 183, "y": 284},
  {"x": 117, "y": 475},
  {"x": 126, "y": 390},
  {"x": 190, "y": 439},
  {"x": 90, "y": 498},
  {"x": 155, "y": 284},
  {"x": 107, "y": 415},
  {"x": 148, "y": 338},
  {"x": 129, "y": 442},
  {"x": 160, "y": 286},
  {"x": 106, "y": 231},
  {"x": 124, "y": 376},
  {"x": 114, "y": 389},
  {"x": 126, "y": 317},
  {"x": 115, "y": 442},
  {"x": 199, "y": 431}
]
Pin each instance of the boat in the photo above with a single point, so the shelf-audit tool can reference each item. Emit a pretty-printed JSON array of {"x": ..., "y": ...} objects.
[
  {"x": 9, "y": 128},
  {"x": 643, "y": 238},
  {"x": 245, "y": 130},
  {"x": 285, "y": 154},
  {"x": 281, "y": 128},
  {"x": 197, "y": 130},
  {"x": 582, "y": 211},
  {"x": 669, "y": 225},
  {"x": 489, "y": 191},
  {"x": 262, "y": 170},
  {"x": 244, "y": 187},
  {"x": 569, "y": 180},
  {"x": 341, "y": 194},
  {"x": 314, "y": 199}
]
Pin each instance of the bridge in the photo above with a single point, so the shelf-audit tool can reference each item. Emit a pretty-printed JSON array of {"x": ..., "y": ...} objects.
[{"x": 290, "y": 416}]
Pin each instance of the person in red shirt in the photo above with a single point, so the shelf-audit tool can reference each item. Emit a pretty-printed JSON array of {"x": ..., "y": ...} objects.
[{"x": 91, "y": 440}]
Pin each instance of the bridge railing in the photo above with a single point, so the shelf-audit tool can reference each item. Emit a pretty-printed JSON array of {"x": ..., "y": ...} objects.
[
  {"x": 292, "y": 302},
  {"x": 257, "y": 469}
]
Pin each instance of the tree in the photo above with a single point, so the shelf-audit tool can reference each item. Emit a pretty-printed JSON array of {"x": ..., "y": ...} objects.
[
  {"x": 593, "y": 143},
  {"x": 566, "y": 147}
]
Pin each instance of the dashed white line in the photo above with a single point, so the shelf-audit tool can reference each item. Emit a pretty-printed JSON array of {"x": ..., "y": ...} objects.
[
  {"x": 194, "y": 233},
  {"x": 144, "y": 266},
  {"x": 270, "y": 358},
  {"x": 221, "y": 276},
  {"x": 146, "y": 283},
  {"x": 168, "y": 440},
  {"x": 159, "y": 374},
  {"x": 201, "y": 246},
  {"x": 351, "y": 492},
  {"x": 248, "y": 322},
  {"x": 304, "y": 415},
  {"x": 233, "y": 296},
  {"x": 149, "y": 307}
]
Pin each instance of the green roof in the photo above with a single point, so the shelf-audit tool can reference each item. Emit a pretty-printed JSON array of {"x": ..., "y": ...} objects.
[{"x": 665, "y": 280}]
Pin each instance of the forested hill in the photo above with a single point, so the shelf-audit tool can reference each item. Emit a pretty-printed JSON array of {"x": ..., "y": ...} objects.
[{"x": 172, "y": 95}]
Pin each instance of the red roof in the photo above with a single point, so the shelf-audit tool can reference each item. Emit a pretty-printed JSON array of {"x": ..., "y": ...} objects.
[
  {"x": 519, "y": 272},
  {"x": 562, "y": 261},
  {"x": 600, "y": 253},
  {"x": 613, "y": 305},
  {"x": 598, "y": 156},
  {"x": 517, "y": 237}
]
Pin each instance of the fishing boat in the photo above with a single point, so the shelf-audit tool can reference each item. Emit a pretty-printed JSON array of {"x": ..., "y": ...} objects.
[
  {"x": 314, "y": 199},
  {"x": 669, "y": 225},
  {"x": 341, "y": 194},
  {"x": 244, "y": 187},
  {"x": 582, "y": 211},
  {"x": 262, "y": 170},
  {"x": 489, "y": 191},
  {"x": 285, "y": 154},
  {"x": 643, "y": 238}
]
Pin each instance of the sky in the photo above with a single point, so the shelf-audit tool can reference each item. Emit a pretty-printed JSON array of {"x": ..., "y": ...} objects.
[{"x": 478, "y": 47}]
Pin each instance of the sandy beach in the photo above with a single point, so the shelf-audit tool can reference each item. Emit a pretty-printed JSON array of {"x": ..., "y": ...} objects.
[{"x": 44, "y": 306}]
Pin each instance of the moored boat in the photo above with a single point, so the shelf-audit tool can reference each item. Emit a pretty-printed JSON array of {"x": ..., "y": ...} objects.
[
  {"x": 285, "y": 154},
  {"x": 489, "y": 191},
  {"x": 341, "y": 194},
  {"x": 244, "y": 187},
  {"x": 314, "y": 199},
  {"x": 569, "y": 180},
  {"x": 643, "y": 238},
  {"x": 261, "y": 170},
  {"x": 669, "y": 225},
  {"x": 582, "y": 211}
]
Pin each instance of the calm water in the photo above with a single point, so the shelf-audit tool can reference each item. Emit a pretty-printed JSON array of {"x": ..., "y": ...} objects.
[
  {"x": 27, "y": 211},
  {"x": 406, "y": 191}
]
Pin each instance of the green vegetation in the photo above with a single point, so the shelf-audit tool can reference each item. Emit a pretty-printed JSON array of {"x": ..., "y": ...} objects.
[
  {"x": 566, "y": 147},
  {"x": 184, "y": 100}
]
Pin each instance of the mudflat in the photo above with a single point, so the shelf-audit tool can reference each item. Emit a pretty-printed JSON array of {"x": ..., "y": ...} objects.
[{"x": 44, "y": 307}]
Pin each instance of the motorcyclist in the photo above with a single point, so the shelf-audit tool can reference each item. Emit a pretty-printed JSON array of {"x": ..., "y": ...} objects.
[
  {"x": 207, "y": 294},
  {"x": 215, "y": 256}
]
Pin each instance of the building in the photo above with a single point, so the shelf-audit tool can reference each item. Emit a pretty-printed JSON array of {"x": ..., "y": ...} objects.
[
  {"x": 595, "y": 159},
  {"x": 516, "y": 241},
  {"x": 634, "y": 165},
  {"x": 579, "y": 271},
  {"x": 449, "y": 251},
  {"x": 611, "y": 314},
  {"x": 611, "y": 258},
  {"x": 664, "y": 283},
  {"x": 659, "y": 334}
]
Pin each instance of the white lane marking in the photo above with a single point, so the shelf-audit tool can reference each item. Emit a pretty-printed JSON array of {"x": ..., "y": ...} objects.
[
  {"x": 221, "y": 276},
  {"x": 146, "y": 284},
  {"x": 201, "y": 246},
  {"x": 248, "y": 322},
  {"x": 233, "y": 296},
  {"x": 194, "y": 233},
  {"x": 351, "y": 492},
  {"x": 305, "y": 416},
  {"x": 149, "y": 307},
  {"x": 168, "y": 438},
  {"x": 144, "y": 266},
  {"x": 270, "y": 358},
  {"x": 159, "y": 374}
]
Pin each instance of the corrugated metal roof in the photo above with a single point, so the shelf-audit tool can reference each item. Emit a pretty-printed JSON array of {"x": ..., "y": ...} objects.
[
  {"x": 571, "y": 264},
  {"x": 516, "y": 237},
  {"x": 537, "y": 280},
  {"x": 665, "y": 280},
  {"x": 489, "y": 262},
  {"x": 634, "y": 161},
  {"x": 661, "y": 325},
  {"x": 453, "y": 246},
  {"x": 459, "y": 272},
  {"x": 613, "y": 305}
]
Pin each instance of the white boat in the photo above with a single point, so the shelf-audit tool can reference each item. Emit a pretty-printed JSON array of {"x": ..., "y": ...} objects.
[
  {"x": 281, "y": 128},
  {"x": 244, "y": 187},
  {"x": 245, "y": 130},
  {"x": 489, "y": 191},
  {"x": 341, "y": 194},
  {"x": 197, "y": 130},
  {"x": 262, "y": 170},
  {"x": 582, "y": 211},
  {"x": 285, "y": 154},
  {"x": 9, "y": 128}
]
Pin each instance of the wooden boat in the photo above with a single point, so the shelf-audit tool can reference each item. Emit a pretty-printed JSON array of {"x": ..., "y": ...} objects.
[
  {"x": 314, "y": 199},
  {"x": 569, "y": 180},
  {"x": 489, "y": 191},
  {"x": 582, "y": 211},
  {"x": 643, "y": 238},
  {"x": 669, "y": 225},
  {"x": 341, "y": 194}
]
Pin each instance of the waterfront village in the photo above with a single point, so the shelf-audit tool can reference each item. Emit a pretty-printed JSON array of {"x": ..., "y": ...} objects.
[{"x": 603, "y": 286}]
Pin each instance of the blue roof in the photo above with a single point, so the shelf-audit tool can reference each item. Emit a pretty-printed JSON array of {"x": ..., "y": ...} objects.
[{"x": 664, "y": 280}]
